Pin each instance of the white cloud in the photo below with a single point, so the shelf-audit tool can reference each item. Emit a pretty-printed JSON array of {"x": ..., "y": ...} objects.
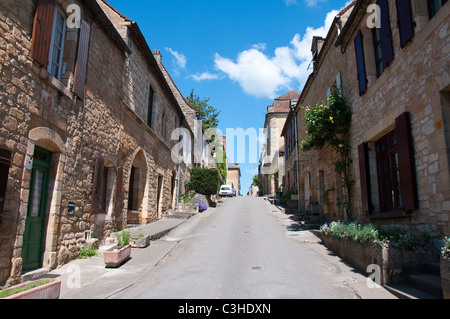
[
  {"x": 262, "y": 75},
  {"x": 205, "y": 76},
  {"x": 291, "y": 2},
  {"x": 179, "y": 59},
  {"x": 312, "y": 3}
]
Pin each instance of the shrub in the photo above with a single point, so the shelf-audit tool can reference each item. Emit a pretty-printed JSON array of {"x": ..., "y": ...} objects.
[
  {"x": 86, "y": 253},
  {"x": 395, "y": 235},
  {"x": 205, "y": 181},
  {"x": 201, "y": 205},
  {"x": 446, "y": 246},
  {"x": 123, "y": 239}
]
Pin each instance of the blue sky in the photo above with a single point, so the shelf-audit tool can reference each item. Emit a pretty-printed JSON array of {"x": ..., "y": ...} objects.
[{"x": 240, "y": 54}]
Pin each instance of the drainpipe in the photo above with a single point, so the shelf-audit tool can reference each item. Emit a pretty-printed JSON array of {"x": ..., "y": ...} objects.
[{"x": 179, "y": 166}]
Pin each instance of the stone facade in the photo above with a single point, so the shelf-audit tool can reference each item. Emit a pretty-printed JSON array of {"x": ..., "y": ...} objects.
[
  {"x": 104, "y": 164},
  {"x": 234, "y": 177},
  {"x": 272, "y": 167},
  {"x": 414, "y": 85}
]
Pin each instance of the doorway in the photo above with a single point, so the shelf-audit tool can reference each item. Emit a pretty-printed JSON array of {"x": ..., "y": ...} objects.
[{"x": 37, "y": 210}]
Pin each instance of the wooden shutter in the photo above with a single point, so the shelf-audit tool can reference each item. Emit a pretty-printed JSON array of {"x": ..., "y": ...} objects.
[
  {"x": 407, "y": 171},
  {"x": 118, "y": 193},
  {"x": 366, "y": 194},
  {"x": 405, "y": 22},
  {"x": 385, "y": 33},
  {"x": 42, "y": 31},
  {"x": 360, "y": 63},
  {"x": 82, "y": 60},
  {"x": 97, "y": 184}
]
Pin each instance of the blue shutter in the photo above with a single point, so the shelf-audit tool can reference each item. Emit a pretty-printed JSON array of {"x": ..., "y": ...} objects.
[
  {"x": 360, "y": 64},
  {"x": 385, "y": 33},
  {"x": 405, "y": 22}
]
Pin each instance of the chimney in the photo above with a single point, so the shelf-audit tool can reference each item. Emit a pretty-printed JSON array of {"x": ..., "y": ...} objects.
[{"x": 157, "y": 55}]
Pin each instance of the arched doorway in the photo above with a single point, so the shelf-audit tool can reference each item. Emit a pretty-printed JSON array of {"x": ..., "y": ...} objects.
[
  {"x": 42, "y": 179},
  {"x": 138, "y": 190}
]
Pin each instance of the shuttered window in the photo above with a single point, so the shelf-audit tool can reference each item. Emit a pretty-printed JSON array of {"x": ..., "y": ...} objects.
[
  {"x": 42, "y": 31},
  {"x": 150, "y": 107},
  {"x": 118, "y": 193},
  {"x": 395, "y": 168},
  {"x": 366, "y": 194},
  {"x": 384, "y": 36},
  {"x": 57, "y": 44},
  {"x": 434, "y": 6},
  {"x": 404, "y": 21},
  {"x": 388, "y": 173},
  {"x": 82, "y": 59},
  {"x": 360, "y": 63},
  {"x": 407, "y": 170},
  {"x": 97, "y": 184}
]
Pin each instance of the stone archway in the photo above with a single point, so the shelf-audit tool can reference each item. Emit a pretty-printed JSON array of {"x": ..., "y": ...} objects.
[
  {"x": 138, "y": 188},
  {"x": 41, "y": 138}
]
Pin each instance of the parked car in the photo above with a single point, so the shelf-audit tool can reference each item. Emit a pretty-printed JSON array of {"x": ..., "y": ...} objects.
[{"x": 226, "y": 191}]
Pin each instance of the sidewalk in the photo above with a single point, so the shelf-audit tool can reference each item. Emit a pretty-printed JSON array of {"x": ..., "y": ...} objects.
[{"x": 90, "y": 279}]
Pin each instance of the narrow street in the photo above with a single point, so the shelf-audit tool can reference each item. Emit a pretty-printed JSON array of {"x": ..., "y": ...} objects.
[{"x": 243, "y": 250}]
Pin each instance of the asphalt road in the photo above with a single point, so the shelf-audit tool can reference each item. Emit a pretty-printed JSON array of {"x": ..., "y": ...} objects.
[{"x": 243, "y": 250}]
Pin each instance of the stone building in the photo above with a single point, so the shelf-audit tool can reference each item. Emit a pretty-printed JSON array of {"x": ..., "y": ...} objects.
[
  {"x": 85, "y": 144},
  {"x": 234, "y": 176},
  {"x": 272, "y": 168},
  {"x": 392, "y": 66}
]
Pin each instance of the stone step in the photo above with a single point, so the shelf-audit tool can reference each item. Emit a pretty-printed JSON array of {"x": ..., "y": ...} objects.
[
  {"x": 429, "y": 283},
  {"x": 404, "y": 291},
  {"x": 434, "y": 268}
]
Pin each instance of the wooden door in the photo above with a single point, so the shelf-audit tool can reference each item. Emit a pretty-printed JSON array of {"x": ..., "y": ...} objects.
[{"x": 37, "y": 210}]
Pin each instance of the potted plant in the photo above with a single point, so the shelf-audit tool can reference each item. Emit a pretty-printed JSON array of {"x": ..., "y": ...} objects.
[
  {"x": 445, "y": 268},
  {"x": 115, "y": 257},
  {"x": 39, "y": 289}
]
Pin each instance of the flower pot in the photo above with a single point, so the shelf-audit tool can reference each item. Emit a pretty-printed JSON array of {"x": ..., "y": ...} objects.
[
  {"x": 48, "y": 291},
  {"x": 445, "y": 275},
  {"x": 115, "y": 258},
  {"x": 140, "y": 242}
]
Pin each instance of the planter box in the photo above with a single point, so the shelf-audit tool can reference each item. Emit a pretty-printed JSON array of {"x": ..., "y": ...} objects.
[
  {"x": 394, "y": 263},
  {"x": 140, "y": 242},
  {"x": 445, "y": 276},
  {"x": 48, "y": 291},
  {"x": 115, "y": 258}
]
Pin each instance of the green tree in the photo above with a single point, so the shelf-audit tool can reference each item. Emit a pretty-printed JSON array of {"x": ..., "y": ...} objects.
[
  {"x": 330, "y": 123},
  {"x": 205, "y": 181},
  {"x": 207, "y": 113}
]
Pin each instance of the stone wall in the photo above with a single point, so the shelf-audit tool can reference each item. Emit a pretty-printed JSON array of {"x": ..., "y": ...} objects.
[
  {"x": 417, "y": 81},
  {"x": 39, "y": 110}
]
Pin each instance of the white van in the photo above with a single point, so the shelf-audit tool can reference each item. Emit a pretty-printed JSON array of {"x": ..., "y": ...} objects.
[{"x": 226, "y": 191}]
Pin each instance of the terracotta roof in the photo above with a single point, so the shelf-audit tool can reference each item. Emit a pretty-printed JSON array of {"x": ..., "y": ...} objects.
[{"x": 292, "y": 95}]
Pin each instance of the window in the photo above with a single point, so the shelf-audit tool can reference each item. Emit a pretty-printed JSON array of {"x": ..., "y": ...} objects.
[
  {"x": 405, "y": 21},
  {"x": 388, "y": 172},
  {"x": 150, "y": 107},
  {"x": 360, "y": 63},
  {"x": 382, "y": 37},
  {"x": 434, "y": 6},
  {"x": 48, "y": 45},
  {"x": 395, "y": 171},
  {"x": 103, "y": 190},
  {"x": 55, "y": 66}
]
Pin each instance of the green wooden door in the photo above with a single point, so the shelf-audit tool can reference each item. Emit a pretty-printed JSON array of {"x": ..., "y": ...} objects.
[{"x": 37, "y": 210}]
